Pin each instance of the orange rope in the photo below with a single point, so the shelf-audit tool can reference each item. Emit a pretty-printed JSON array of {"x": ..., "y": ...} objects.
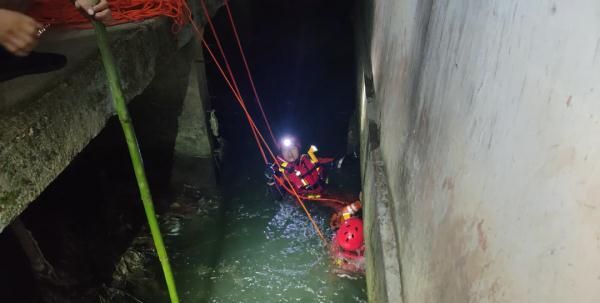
[
  {"x": 231, "y": 80},
  {"x": 287, "y": 189},
  {"x": 63, "y": 13},
  {"x": 239, "y": 43},
  {"x": 218, "y": 40},
  {"x": 256, "y": 132}
]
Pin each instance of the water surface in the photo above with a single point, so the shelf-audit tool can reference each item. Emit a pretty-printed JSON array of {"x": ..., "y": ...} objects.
[{"x": 249, "y": 248}]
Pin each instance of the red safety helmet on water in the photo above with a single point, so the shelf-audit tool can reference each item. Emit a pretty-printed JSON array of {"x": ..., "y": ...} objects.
[{"x": 350, "y": 234}]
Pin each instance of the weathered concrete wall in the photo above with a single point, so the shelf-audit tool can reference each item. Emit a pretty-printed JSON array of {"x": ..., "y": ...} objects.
[
  {"x": 39, "y": 137},
  {"x": 487, "y": 115},
  {"x": 193, "y": 165},
  {"x": 46, "y": 120}
]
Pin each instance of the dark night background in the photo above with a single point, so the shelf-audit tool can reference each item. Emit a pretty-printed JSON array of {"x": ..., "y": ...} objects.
[{"x": 301, "y": 54}]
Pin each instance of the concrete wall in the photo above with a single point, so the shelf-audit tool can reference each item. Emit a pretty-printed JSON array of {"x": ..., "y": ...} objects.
[
  {"x": 193, "y": 161},
  {"x": 47, "y": 119},
  {"x": 40, "y": 134},
  {"x": 486, "y": 117}
]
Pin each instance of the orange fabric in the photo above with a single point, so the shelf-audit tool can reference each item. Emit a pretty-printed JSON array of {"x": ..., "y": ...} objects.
[{"x": 304, "y": 175}]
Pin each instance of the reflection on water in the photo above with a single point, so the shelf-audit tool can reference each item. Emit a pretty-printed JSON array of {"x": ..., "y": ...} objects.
[{"x": 251, "y": 249}]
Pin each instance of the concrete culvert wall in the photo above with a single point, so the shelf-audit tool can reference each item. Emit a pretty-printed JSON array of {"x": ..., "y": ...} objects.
[
  {"x": 487, "y": 118},
  {"x": 47, "y": 119},
  {"x": 89, "y": 224}
]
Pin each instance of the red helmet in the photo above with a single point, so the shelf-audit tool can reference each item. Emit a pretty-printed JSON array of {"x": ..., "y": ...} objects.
[{"x": 350, "y": 234}]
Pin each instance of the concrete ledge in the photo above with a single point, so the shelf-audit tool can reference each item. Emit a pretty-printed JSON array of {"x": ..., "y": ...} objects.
[
  {"x": 384, "y": 283},
  {"x": 41, "y": 135}
]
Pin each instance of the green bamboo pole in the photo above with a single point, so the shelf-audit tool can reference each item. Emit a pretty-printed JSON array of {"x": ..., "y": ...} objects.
[{"x": 136, "y": 157}]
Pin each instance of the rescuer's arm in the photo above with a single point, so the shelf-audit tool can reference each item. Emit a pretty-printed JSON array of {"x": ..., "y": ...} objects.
[
  {"x": 332, "y": 163},
  {"x": 324, "y": 160},
  {"x": 18, "y": 32},
  {"x": 97, "y": 9},
  {"x": 270, "y": 174},
  {"x": 273, "y": 189}
]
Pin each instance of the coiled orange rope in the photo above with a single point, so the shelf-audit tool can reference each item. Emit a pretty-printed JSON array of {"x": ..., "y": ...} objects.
[{"x": 63, "y": 13}]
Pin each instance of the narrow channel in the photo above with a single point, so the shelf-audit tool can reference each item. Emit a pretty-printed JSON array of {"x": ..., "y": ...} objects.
[{"x": 249, "y": 247}]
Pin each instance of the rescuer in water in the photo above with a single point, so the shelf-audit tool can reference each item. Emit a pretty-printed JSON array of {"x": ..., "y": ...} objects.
[
  {"x": 306, "y": 173},
  {"x": 348, "y": 246}
]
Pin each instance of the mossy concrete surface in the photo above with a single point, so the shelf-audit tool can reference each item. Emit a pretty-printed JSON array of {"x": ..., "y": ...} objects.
[
  {"x": 383, "y": 268},
  {"x": 40, "y": 135}
]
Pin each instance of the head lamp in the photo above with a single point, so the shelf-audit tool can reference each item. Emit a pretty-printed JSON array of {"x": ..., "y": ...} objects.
[{"x": 287, "y": 142}]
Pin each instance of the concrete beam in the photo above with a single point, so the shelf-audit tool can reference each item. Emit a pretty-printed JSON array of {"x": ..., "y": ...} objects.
[
  {"x": 40, "y": 136},
  {"x": 45, "y": 120}
]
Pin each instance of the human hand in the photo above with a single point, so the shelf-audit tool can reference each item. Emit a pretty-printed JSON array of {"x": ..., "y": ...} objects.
[
  {"x": 334, "y": 221},
  {"x": 99, "y": 11},
  {"x": 269, "y": 172},
  {"x": 18, "y": 32}
]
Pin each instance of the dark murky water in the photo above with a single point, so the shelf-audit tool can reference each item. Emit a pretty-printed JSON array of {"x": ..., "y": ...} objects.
[
  {"x": 262, "y": 252},
  {"x": 245, "y": 247}
]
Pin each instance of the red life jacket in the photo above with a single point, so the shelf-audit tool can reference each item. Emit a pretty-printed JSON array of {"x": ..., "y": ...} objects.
[{"x": 304, "y": 175}]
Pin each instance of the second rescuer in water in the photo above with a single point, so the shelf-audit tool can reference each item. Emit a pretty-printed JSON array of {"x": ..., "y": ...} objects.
[
  {"x": 305, "y": 172},
  {"x": 307, "y": 175}
]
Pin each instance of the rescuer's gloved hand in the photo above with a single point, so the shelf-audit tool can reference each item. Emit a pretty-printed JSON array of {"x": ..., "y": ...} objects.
[
  {"x": 270, "y": 174},
  {"x": 335, "y": 220}
]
